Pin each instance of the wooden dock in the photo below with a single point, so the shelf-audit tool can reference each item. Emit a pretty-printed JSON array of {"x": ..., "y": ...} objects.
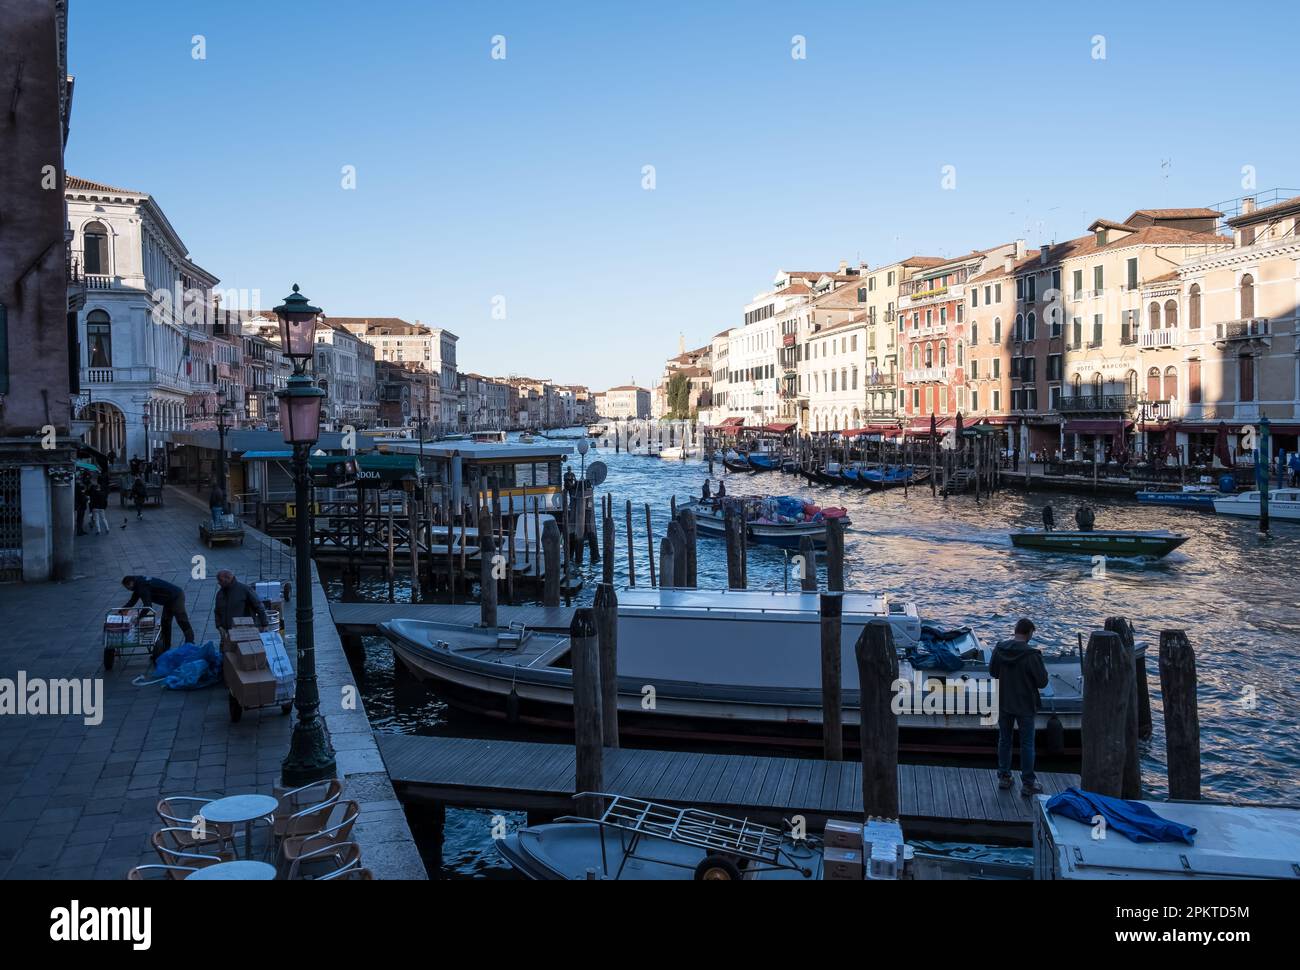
[
  {"x": 935, "y": 802},
  {"x": 363, "y": 619}
]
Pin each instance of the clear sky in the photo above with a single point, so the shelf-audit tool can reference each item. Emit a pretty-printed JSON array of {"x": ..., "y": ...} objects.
[{"x": 522, "y": 178}]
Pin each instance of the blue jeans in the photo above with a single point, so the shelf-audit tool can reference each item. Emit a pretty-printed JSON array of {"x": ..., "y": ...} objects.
[{"x": 1006, "y": 723}]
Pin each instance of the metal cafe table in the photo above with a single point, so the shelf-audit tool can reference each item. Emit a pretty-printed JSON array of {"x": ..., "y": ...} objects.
[{"x": 240, "y": 810}]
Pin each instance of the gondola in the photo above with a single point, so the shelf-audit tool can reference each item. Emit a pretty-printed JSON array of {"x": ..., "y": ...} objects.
[
  {"x": 760, "y": 462},
  {"x": 895, "y": 477},
  {"x": 737, "y": 465}
]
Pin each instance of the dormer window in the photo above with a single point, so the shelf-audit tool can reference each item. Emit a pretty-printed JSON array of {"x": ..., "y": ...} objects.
[{"x": 1101, "y": 236}]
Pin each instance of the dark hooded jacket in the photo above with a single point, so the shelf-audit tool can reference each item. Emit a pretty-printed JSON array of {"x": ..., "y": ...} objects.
[{"x": 1021, "y": 673}]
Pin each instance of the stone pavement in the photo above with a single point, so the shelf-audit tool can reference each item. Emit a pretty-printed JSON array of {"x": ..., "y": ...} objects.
[{"x": 78, "y": 801}]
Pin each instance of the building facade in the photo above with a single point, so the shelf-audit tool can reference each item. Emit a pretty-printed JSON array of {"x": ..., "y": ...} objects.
[{"x": 627, "y": 401}]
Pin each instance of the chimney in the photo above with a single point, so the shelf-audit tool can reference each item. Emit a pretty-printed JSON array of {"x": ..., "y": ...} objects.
[
  {"x": 1007, "y": 265},
  {"x": 844, "y": 264},
  {"x": 1020, "y": 249},
  {"x": 1247, "y": 205},
  {"x": 1042, "y": 255}
]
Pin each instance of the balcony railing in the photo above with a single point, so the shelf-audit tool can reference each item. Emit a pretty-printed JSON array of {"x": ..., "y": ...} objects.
[
  {"x": 1158, "y": 339},
  {"x": 1098, "y": 403},
  {"x": 926, "y": 375},
  {"x": 1250, "y": 329}
]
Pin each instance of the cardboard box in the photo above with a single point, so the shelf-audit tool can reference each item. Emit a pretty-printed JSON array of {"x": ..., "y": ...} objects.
[
  {"x": 269, "y": 591},
  {"x": 241, "y": 621},
  {"x": 842, "y": 864},
  {"x": 842, "y": 835},
  {"x": 251, "y": 688},
  {"x": 278, "y": 663}
]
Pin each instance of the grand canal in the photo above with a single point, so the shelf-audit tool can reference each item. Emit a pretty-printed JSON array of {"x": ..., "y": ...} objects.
[{"x": 1237, "y": 597}]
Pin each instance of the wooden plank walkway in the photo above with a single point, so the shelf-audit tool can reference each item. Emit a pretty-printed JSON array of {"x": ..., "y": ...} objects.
[
  {"x": 936, "y": 802},
  {"x": 364, "y": 618}
]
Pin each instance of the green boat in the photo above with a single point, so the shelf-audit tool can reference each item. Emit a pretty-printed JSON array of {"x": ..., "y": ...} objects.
[{"x": 1100, "y": 542}]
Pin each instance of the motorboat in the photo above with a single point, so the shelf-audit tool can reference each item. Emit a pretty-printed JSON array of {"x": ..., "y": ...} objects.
[
  {"x": 1184, "y": 496},
  {"x": 765, "y": 523},
  {"x": 1120, "y": 543},
  {"x": 679, "y": 452},
  {"x": 736, "y": 666},
  {"x": 1283, "y": 503},
  {"x": 893, "y": 476}
]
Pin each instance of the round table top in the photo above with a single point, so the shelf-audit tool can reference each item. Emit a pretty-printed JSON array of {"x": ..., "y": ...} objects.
[
  {"x": 239, "y": 808},
  {"x": 240, "y": 869}
]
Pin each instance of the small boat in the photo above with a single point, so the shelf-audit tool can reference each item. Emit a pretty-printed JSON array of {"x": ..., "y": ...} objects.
[
  {"x": 893, "y": 476},
  {"x": 679, "y": 453},
  {"x": 1283, "y": 503},
  {"x": 762, "y": 462},
  {"x": 641, "y": 840},
  {"x": 1100, "y": 542},
  {"x": 760, "y": 529},
  {"x": 1186, "y": 496},
  {"x": 734, "y": 461},
  {"x": 829, "y": 474}
]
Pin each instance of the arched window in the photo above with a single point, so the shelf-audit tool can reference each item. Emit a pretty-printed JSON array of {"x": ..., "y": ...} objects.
[
  {"x": 961, "y": 354},
  {"x": 95, "y": 249},
  {"x": 997, "y": 330},
  {"x": 1030, "y": 326},
  {"x": 1131, "y": 383},
  {"x": 916, "y": 355},
  {"x": 99, "y": 339},
  {"x": 929, "y": 355},
  {"x": 943, "y": 354},
  {"x": 1096, "y": 385},
  {"x": 1171, "y": 314},
  {"x": 974, "y": 334},
  {"x": 1247, "y": 296},
  {"x": 1153, "y": 384},
  {"x": 1019, "y": 332},
  {"x": 1153, "y": 316},
  {"x": 1194, "y": 307},
  {"x": 1077, "y": 385},
  {"x": 1171, "y": 383}
]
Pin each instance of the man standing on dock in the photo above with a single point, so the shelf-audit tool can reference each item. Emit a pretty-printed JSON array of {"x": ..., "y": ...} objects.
[{"x": 1020, "y": 673}]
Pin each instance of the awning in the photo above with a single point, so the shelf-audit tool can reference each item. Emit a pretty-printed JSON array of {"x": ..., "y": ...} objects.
[
  {"x": 1234, "y": 427},
  {"x": 779, "y": 427},
  {"x": 732, "y": 423},
  {"x": 88, "y": 467},
  {"x": 922, "y": 427},
  {"x": 1096, "y": 427},
  {"x": 880, "y": 429}
]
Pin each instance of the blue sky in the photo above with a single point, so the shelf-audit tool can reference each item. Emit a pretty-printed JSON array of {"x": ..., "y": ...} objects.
[{"x": 522, "y": 178}]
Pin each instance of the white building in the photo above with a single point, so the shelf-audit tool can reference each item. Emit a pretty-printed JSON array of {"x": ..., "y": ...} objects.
[
  {"x": 627, "y": 401},
  {"x": 145, "y": 326},
  {"x": 432, "y": 349}
]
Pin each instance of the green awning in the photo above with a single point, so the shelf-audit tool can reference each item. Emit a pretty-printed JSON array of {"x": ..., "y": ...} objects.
[
  {"x": 374, "y": 469},
  {"x": 88, "y": 467}
]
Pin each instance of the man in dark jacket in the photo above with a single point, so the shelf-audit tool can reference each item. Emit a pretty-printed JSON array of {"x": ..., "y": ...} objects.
[
  {"x": 235, "y": 599},
  {"x": 151, "y": 591},
  {"x": 1020, "y": 674}
]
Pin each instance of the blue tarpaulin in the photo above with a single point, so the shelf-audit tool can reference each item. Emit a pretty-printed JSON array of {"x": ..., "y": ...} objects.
[
  {"x": 189, "y": 666},
  {"x": 1133, "y": 819}
]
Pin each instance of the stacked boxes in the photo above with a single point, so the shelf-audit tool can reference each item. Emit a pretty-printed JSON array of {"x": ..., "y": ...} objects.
[
  {"x": 876, "y": 850},
  {"x": 245, "y": 666}
]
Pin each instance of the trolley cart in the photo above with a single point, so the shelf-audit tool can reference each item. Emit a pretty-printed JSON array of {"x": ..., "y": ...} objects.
[
  {"x": 228, "y": 532},
  {"x": 129, "y": 631}
]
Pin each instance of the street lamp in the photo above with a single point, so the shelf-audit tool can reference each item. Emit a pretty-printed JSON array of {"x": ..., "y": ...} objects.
[
  {"x": 148, "y": 456},
  {"x": 583, "y": 447},
  {"x": 311, "y": 756},
  {"x": 221, "y": 445}
]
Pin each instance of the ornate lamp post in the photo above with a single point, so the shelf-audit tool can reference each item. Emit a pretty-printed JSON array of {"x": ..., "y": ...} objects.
[
  {"x": 148, "y": 452},
  {"x": 311, "y": 756},
  {"x": 221, "y": 444}
]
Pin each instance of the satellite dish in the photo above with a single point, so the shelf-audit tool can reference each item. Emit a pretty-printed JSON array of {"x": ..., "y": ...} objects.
[{"x": 596, "y": 473}]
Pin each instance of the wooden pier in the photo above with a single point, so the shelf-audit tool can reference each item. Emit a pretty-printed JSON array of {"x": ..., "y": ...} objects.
[{"x": 935, "y": 802}]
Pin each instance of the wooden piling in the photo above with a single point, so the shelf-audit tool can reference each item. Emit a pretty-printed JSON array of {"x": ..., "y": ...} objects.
[
  {"x": 413, "y": 531},
  {"x": 554, "y": 563},
  {"x": 1121, "y": 627},
  {"x": 689, "y": 528},
  {"x": 1108, "y": 674},
  {"x": 733, "y": 529},
  {"x": 808, "y": 574},
  {"x": 650, "y": 543},
  {"x": 631, "y": 550},
  {"x": 878, "y": 725},
  {"x": 835, "y": 555},
  {"x": 487, "y": 582},
  {"x": 588, "y": 731},
  {"x": 1182, "y": 720},
  {"x": 605, "y": 608},
  {"x": 678, "y": 535},
  {"x": 607, "y": 539},
  {"x": 831, "y": 612},
  {"x": 667, "y": 563}
]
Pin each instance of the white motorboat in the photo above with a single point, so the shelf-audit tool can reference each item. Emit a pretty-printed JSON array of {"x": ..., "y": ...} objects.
[
  {"x": 1283, "y": 503},
  {"x": 679, "y": 452},
  {"x": 735, "y": 665}
]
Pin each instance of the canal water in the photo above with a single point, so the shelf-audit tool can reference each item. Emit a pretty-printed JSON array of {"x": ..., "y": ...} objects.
[{"x": 1237, "y": 597}]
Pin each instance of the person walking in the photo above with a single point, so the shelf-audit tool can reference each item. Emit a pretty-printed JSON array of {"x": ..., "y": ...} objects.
[
  {"x": 216, "y": 505},
  {"x": 81, "y": 498},
  {"x": 150, "y": 591},
  {"x": 98, "y": 499},
  {"x": 1295, "y": 469},
  {"x": 139, "y": 492},
  {"x": 135, "y": 465},
  {"x": 1021, "y": 674},
  {"x": 236, "y": 599}
]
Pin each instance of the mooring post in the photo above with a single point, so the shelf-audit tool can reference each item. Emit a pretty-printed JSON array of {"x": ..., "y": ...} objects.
[
  {"x": 1108, "y": 674},
  {"x": 607, "y": 540},
  {"x": 667, "y": 564},
  {"x": 554, "y": 563},
  {"x": 1121, "y": 627},
  {"x": 650, "y": 543},
  {"x": 678, "y": 535},
  {"x": 835, "y": 555},
  {"x": 808, "y": 568},
  {"x": 487, "y": 581},
  {"x": 878, "y": 724},
  {"x": 831, "y": 611},
  {"x": 1182, "y": 721},
  {"x": 631, "y": 549},
  {"x": 733, "y": 529},
  {"x": 606, "y": 610},
  {"x": 588, "y": 733},
  {"x": 690, "y": 530}
]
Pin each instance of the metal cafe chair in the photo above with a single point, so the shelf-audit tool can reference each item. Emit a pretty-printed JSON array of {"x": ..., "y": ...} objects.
[
  {"x": 137, "y": 873},
  {"x": 337, "y": 829},
  {"x": 327, "y": 862},
  {"x": 172, "y": 811},
  {"x": 173, "y": 853}
]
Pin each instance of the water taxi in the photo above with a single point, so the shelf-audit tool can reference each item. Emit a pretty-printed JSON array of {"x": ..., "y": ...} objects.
[
  {"x": 1283, "y": 503},
  {"x": 1150, "y": 545}
]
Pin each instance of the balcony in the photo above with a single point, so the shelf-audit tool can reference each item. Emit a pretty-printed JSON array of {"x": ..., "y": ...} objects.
[
  {"x": 1098, "y": 404},
  {"x": 918, "y": 298},
  {"x": 926, "y": 375},
  {"x": 1157, "y": 411},
  {"x": 1254, "y": 328},
  {"x": 1158, "y": 339}
]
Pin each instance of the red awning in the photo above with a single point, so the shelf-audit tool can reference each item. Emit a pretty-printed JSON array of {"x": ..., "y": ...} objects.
[
  {"x": 732, "y": 423},
  {"x": 1096, "y": 427},
  {"x": 881, "y": 429},
  {"x": 779, "y": 427},
  {"x": 922, "y": 426}
]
